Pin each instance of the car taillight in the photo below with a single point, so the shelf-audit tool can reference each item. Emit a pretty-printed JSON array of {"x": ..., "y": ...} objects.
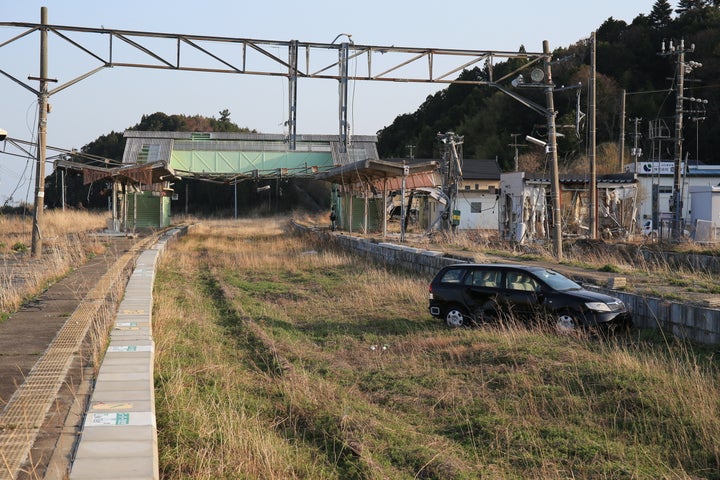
[{"x": 430, "y": 294}]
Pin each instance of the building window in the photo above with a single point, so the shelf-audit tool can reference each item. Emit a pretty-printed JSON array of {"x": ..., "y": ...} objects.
[
  {"x": 477, "y": 186},
  {"x": 199, "y": 136},
  {"x": 148, "y": 154}
]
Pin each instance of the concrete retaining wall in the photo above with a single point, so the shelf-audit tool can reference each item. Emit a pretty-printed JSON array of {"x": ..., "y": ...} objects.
[
  {"x": 692, "y": 322},
  {"x": 696, "y": 323},
  {"x": 119, "y": 435},
  {"x": 418, "y": 260}
]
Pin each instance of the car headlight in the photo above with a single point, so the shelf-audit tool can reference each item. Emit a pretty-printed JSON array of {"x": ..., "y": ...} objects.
[{"x": 598, "y": 306}]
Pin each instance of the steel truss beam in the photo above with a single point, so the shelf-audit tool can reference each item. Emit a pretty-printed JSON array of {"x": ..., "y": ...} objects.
[{"x": 199, "y": 53}]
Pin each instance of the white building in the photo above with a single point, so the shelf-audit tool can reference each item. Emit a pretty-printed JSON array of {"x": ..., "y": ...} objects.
[
  {"x": 477, "y": 198},
  {"x": 655, "y": 186},
  {"x": 705, "y": 213}
]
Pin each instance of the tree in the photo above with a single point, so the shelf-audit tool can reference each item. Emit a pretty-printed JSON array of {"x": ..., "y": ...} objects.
[
  {"x": 611, "y": 30},
  {"x": 661, "y": 14},
  {"x": 685, "y": 6},
  {"x": 224, "y": 124}
]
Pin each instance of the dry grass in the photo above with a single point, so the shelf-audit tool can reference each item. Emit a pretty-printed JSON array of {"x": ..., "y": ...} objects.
[
  {"x": 279, "y": 359},
  {"x": 67, "y": 243}
]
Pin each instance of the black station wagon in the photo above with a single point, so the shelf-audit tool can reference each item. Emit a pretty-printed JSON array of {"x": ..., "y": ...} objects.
[{"x": 479, "y": 293}]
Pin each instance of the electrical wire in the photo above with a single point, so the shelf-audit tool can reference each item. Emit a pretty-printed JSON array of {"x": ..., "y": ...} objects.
[{"x": 21, "y": 180}]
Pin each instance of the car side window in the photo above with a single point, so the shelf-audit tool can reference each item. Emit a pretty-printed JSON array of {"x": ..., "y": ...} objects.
[
  {"x": 453, "y": 275},
  {"x": 482, "y": 278},
  {"x": 520, "y": 281},
  {"x": 495, "y": 277}
]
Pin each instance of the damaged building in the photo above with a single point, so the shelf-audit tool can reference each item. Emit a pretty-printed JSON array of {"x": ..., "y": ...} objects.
[{"x": 525, "y": 213}]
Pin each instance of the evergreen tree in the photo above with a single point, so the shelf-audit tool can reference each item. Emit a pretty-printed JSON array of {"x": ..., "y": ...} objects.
[
  {"x": 685, "y": 6},
  {"x": 660, "y": 16}
]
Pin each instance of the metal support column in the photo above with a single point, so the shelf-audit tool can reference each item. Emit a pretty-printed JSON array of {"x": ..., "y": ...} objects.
[
  {"x": 384, "y": 206},
  {"x": 343, "y": 95},
  {"x": 366, "y": 206},
  {"x": 292, "y": 93}
]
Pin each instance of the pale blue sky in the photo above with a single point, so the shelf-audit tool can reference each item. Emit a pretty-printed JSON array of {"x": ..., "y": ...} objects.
[{"x": 115, "y": 99}]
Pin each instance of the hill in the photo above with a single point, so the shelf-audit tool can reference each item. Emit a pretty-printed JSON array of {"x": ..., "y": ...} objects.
[{"x": 627, "y": 60}]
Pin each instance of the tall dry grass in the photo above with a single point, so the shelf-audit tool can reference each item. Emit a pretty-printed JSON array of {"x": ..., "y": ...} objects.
[
  {"x": 67, "y": 243},
  {"x": 280, "y": 359}
]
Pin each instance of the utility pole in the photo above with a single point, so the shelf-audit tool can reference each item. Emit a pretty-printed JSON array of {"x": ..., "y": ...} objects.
[
  {"x": 406, "y": 172},
  {"x": 411, "y": 147},
  {"x": 43, "y": 96},
  {"x": 62, "y": 188},
  {"x": 452, "y": 164},
  {"x": 515, "y": 145},
  {"x": 552, "y": 150},
  {"x": 681, "y": 69},
  {"x": 636, "y": 151},
  {"x": 592, "y": 156},
  {"x": 623, "y": 94}
]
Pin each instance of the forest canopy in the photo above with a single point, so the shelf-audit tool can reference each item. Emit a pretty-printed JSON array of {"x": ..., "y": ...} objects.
[{"x": 628, "y": 59}]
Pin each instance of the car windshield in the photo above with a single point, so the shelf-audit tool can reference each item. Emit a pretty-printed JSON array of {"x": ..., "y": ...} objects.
[{"x": 557, "y": 281}]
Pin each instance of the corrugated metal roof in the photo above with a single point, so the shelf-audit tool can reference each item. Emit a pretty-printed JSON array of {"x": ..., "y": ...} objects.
[
  {"x": 134, "y": 146},
  {"x": 473, "y": 168},
  {"x": 361, "y": 148},
  {"x": 259, "y": 137},
  {"x": 476, "y": 169}
]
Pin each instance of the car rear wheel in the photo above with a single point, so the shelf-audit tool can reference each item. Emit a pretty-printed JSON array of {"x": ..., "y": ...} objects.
[
  {"x": 456, "y": 317},
  {"x": 565, "y": 322}
]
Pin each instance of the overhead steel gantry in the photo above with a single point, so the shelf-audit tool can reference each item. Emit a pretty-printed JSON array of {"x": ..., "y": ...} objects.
[{"x": 201, "y": 53}]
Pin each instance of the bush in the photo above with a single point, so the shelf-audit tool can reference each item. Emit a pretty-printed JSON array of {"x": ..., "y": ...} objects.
[{"x": 20, "y": 247}]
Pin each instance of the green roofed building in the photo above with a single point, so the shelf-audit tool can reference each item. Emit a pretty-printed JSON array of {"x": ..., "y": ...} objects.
[{"x": 226, "y": 157}]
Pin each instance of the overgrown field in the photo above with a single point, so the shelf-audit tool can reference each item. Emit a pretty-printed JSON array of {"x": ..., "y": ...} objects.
[
  {"x": 278, "y": 359},
  {"x": 67, "y": 243}
]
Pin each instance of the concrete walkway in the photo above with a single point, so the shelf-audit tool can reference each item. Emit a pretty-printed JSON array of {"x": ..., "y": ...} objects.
[{"x": 47, "y": 361}]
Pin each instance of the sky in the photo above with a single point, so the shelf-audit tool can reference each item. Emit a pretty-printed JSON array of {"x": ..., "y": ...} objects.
[{"x": 115, "y": 99}]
